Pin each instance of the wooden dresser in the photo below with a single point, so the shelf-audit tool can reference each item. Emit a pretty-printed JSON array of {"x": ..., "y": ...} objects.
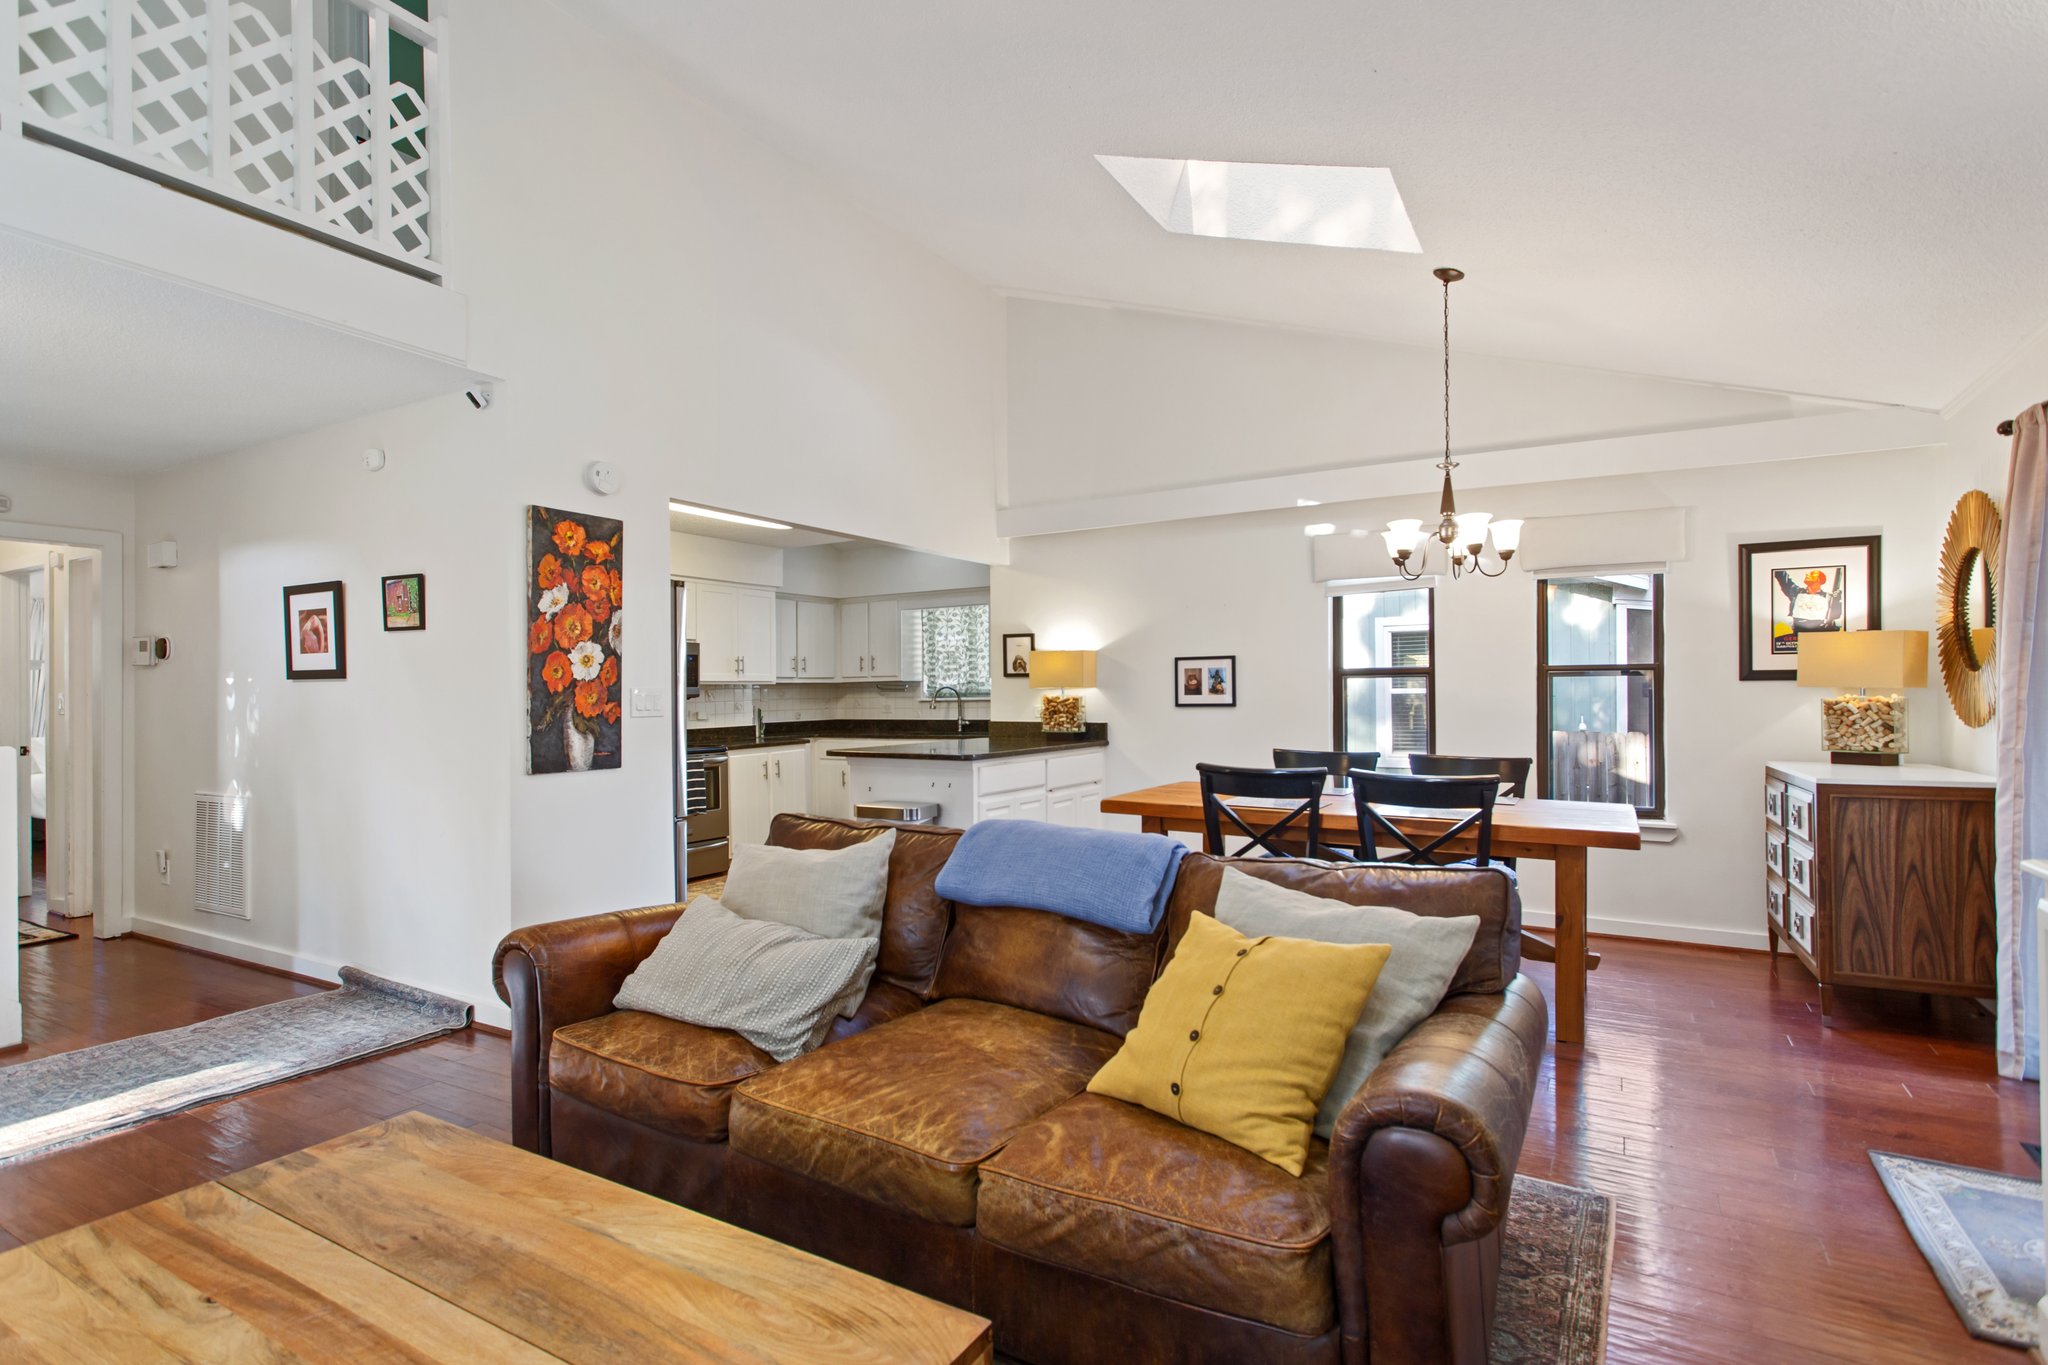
[{"x": 1882, "y": 876}]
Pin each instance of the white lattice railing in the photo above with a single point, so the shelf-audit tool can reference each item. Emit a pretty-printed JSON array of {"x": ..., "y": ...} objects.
[{"x": 287, "y": 107}]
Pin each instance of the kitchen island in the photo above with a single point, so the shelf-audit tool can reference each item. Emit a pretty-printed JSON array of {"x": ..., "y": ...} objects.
[{"x": 1015, "y": 772}]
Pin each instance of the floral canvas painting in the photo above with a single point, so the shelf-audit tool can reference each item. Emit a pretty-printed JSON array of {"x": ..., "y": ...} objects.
[{"x": 573, "y": 632}]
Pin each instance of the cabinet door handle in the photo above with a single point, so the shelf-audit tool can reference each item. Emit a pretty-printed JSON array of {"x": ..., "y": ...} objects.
[
  {"x": 764, "y": 770},
  {"x": 778, "y": 767},
  {"x": 842, "y": 777},
  {"x": 803, "y": 665}
]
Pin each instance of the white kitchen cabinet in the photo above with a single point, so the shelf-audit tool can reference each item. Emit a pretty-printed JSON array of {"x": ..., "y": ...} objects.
[
  {"x": 1079, "y": 806},
  {"x": 735, "y": 632},
  {"x": 762, "y": 784},
  {"x": 853, "y": 639},
  {"x": 871, "y": 640},
  {"x": 786, "y": 649},
  {"x": 990, "y": 788},
  {"x": 832, "y": 788},
  {"x": 817, "y": 634}
]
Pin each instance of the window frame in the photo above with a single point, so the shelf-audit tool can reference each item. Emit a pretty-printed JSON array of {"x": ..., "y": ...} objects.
[
  {"x": 924, "y": 681},
  {"x": 1339, "y": 674},
  {"x": 1654, "y": 670}
]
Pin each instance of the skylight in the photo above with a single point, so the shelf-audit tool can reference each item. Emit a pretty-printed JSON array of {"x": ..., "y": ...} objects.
[{"x": 1351, "y": 206}]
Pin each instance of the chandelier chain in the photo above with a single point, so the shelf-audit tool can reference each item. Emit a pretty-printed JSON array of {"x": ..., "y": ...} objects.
[{"x": 1447, "y": 375}]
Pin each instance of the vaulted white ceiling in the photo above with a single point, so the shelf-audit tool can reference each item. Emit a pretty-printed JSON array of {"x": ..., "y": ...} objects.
[{"x": 1811, "y": 196}]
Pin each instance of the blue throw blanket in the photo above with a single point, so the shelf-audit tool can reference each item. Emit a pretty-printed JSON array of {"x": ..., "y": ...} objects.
[{"x": 1108, "y": 878}]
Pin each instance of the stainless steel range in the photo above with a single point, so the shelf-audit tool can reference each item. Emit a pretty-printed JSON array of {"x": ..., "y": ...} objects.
[{"x": 704, "y": 847}]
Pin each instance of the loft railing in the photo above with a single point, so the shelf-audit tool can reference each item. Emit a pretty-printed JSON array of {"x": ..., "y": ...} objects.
[{"x": 289, "y": 109}]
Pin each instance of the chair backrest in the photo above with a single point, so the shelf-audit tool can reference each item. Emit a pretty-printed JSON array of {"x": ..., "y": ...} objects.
[
  {"x": 1302, "y": 787},
  {"x": 1514, "y": 772},
  {"x": 1474, "y": 794},
  {"x": 1338, "y": 763}
]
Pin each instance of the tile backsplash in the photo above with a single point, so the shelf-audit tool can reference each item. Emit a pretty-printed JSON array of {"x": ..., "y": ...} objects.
[{"x": 734, "y": 705}]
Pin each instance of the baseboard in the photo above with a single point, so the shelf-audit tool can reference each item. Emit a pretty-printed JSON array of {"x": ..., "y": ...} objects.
[
  {"x": 1755, "y": 940},
  {"x": 491, "y": 1015}
]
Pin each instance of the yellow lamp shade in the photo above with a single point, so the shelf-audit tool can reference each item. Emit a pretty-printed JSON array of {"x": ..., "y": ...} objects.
[
  {"x": 1884, "y": 660},
  {"x": 1062, "y": 668}
]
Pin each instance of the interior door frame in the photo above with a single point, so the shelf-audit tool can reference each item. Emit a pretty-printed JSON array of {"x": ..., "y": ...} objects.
[{"x": 116, "y": 911}]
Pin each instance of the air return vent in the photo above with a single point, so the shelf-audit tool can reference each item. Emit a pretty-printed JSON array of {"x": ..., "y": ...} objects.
[{"x": 220, "y": 882}]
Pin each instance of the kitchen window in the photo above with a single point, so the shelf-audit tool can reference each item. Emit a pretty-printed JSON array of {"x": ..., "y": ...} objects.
[
  {"x": 1600, "y": 690},
  {"x": 1383, "y": 653},
  {"x": 949, "y": 647}
]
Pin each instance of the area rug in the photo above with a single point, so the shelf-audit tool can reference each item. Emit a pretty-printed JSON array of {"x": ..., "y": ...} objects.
[
  {"x": 72, "y": 1097},
  {"x": 1981, "y": 1233},
  {"x": 31, "y": 933}
]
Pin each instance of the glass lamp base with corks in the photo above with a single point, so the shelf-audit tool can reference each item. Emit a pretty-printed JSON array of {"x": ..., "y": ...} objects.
[
  {"x": 1060, "y": 714},
  {"x": 1859, "y": 728}
]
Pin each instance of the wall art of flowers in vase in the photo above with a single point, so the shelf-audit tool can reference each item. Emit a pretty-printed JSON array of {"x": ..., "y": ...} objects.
[{"x": 573, "y": 629}]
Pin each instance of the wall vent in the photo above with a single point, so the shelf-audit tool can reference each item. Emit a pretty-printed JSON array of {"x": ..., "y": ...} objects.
[{"x": 220, "y": 880}]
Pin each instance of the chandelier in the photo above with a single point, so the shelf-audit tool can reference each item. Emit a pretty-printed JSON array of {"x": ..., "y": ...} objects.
[{"x": 1464, "y": 534}]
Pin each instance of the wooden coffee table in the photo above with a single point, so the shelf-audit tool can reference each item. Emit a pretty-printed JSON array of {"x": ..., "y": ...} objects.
[{"x": 417, "y": 1240}]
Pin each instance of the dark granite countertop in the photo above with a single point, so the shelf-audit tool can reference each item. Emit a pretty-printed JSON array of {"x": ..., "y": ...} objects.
[
  {"x": 1022, "y": 741},
  {"x": 920, "y": 739}
]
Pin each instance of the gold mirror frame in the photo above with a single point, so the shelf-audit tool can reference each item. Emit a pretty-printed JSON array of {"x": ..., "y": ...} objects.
[{"x": 1970, "y": 548}]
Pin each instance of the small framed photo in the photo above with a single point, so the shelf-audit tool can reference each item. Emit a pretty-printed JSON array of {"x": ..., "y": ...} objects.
[
  {"x": 315, "y": 633},
  {"x": 1794, "y": 588},
  {"x": 1017, "y": 654},
  {"x": 1205, "y": 680},
  {"x": 405, "y": 601}
]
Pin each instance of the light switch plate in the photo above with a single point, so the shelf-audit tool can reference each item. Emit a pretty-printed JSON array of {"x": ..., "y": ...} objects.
[{"x": 646, "y": 702}]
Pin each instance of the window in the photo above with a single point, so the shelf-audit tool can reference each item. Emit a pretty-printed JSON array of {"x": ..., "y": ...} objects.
[
  {"x": 1382, "y": 654},
  {"x": 949, "y": 647},
  {"x": 1600, "y": 690}
]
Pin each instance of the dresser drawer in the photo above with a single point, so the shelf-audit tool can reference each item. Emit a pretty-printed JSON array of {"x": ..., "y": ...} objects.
[
  {"x": 1774, "y": 901},
  {"x": 1774, "y": 801},
  {"x": 1799, "y": 812},
  {"x": 1774, "y": 852},
  {"x": 1798, "y": 867},
  {"x": 1799, "y": 920}
]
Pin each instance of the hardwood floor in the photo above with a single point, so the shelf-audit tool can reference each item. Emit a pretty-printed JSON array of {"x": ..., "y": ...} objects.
[{"x": 1729, "y": 1127}]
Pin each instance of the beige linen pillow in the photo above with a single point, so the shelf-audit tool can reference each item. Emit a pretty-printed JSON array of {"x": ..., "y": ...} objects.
[
  {"x": 1426, "y": 954},
  {"x": 774, "y": 985},
  {"x": 830, "y": 892}
]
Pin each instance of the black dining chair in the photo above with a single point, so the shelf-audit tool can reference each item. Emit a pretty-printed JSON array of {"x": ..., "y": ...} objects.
[
  {"x": 1474, "y": 794},
  {"x": 1514, "y": 772},
  {"x": 1303, "y": 787},
  {"x": 1338, "y": 763}
]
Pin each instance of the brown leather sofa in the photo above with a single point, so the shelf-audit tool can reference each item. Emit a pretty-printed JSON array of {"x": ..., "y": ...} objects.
[{"x": 942, "y": 1137}]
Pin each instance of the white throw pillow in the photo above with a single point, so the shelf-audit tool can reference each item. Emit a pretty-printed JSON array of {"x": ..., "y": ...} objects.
[
  {"x": 1426, "y": 955},
  {"x": 774, "y": 985},
  {"x": 830, "y": 892}
]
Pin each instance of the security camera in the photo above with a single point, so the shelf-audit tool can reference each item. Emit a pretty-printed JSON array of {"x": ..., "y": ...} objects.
[{"x": 479, "y": 396}]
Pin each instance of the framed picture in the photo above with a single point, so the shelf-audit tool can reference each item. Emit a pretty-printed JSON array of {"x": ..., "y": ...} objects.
[
  {"x": 405, "y": 601},
  {"x": 574, "y": 590},
  {"x": 1794, "y": 588},
  {"x": 1017, "y": 654},
  {"x": 315, "y": 633},
  {"x": 1205, "y": 680}
]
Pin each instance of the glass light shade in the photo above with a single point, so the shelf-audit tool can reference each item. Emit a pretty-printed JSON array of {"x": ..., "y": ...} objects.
[
  {"x": 1472, "y": 528},
  {"x": 1507, "y": 536},
  {"x": 1405, "y": 534}
]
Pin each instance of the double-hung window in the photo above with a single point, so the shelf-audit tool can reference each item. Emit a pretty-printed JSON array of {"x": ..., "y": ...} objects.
[
  {"x": 1600, "y": 689},
  {"x": 948, "y": 647},
  {"x": 1382, "y": 654}
]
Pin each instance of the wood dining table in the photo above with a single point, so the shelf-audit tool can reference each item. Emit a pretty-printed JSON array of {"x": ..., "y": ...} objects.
[{"x": 1558, "y": 832}]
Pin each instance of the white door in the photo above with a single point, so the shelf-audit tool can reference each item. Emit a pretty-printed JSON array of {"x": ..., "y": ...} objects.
[
  {"x": 1002, "y": 807},
  {"x": 1080, "y": 807},
  {"x": 885, "y": 640},
  {"x": 754, "y": 612},
  {"x": 747, "y": 796},
  {"x": 817, "y": 632},
  {"x": 831, "y": 788},
  {"x": 718, "y": 658},
  {"x": 853, "y": 640},
  {"x": 789, "y": 776},
  {"x": 1029, "y": 806},
  {"x": 786, "y": 648}
]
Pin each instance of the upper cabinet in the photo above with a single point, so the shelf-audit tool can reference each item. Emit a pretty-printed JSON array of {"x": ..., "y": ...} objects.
[
  {"x": 806, "y": 640},
  {"x": 871, "y": 640},
  {"x": 735, "y": 632}
]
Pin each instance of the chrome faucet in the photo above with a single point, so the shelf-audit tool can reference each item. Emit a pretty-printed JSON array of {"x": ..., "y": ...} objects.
[
  {"x": 760, "y": 726},
  {"x": 960, "y": 703}
]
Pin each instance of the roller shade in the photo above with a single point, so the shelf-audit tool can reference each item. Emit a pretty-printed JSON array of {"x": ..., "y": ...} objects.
[{"x": 1643, "y": 541}]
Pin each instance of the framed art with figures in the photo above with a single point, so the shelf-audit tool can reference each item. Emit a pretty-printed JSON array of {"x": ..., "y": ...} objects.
[
  {"x": 1794, "y": 588},
  {"x": 315, "y": 633},
  {"x": 1205, "y": 680}
]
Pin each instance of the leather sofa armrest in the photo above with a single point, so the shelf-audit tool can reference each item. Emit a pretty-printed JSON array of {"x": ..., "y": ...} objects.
[
  {"x": 562, "y": 973},
  {"x": 1421, "y": 1166}
]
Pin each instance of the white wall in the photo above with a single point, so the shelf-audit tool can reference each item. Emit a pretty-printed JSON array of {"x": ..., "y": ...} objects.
[
  {"x": 712, "y": 321},
  {"x": 856, "y": 569},
  {"x": 724, "y": 561},
  {"x": 1241, "y": 585}
]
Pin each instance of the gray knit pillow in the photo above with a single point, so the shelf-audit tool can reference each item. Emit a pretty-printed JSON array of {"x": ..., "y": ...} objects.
[
  {"x": 774, "y": 985},
  {"x": 830, "y": 892}
]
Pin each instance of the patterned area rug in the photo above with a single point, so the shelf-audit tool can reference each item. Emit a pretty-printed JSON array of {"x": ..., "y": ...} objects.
[
  {"x": 32, "y": 933},
  {"x": 72, "y": 1097},
  {"x": 1981, "y": 1233}
]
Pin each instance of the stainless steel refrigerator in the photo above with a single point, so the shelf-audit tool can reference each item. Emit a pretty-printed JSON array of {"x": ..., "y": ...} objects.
[{"x": 702, "y": 822}]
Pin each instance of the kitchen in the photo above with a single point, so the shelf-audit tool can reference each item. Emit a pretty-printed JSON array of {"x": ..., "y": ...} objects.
[{"x": 821, "y": 674}]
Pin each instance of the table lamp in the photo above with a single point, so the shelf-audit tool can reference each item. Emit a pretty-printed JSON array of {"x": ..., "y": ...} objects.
[
  {"x": 1061, "y": 668},
  {"x": 1862, "y": 728}
]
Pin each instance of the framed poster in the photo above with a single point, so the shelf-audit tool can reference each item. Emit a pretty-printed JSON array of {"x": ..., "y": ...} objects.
[
  {"x": 315, "y": 633},
  {"x": 573, "y": 631},
  {"x": 1795, "y": 588},
  {"x": 405, "y": 601},
  {"x": 1205, "y": 680},
  {"x": 1017, "y": 654}
]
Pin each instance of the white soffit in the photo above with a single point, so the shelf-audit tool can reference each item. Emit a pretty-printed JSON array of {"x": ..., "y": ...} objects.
[{"x": 1347, "y": 206}]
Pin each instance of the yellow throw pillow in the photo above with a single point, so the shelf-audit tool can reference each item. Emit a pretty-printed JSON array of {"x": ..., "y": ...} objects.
[{"x": 1241, "y": 1036}]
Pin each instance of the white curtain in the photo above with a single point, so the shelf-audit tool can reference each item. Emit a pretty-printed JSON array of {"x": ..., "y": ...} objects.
[{"x": 2022, "y": 755}]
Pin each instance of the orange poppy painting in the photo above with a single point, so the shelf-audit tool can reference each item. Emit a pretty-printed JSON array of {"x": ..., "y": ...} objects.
[{"x": 573, "y": 628}]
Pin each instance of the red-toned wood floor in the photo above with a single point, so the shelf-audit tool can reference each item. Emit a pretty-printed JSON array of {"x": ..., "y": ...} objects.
[{"x": 1729, "y": 1127}]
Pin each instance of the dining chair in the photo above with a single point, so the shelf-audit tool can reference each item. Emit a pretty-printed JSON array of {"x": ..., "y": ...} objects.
[
  {"x": 1338, "y": 763},
  {"x": 1473, "y": 794},
  {"x": 1514, "y": 772},
  {"x": 1301, "y": 786}
]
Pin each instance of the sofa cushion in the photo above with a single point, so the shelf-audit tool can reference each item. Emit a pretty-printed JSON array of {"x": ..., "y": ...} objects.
[
  {"x": 1048, "y": 964},
  {"x": 1115, "y": 1191},
  {"x": 914, "y": 914},
  {"x": 905, "y": 1113},
  {"x": 661, "y": 1072}
]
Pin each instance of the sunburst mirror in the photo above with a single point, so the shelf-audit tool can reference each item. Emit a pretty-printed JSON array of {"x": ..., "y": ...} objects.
[{"x": 1966, "y": 608}]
